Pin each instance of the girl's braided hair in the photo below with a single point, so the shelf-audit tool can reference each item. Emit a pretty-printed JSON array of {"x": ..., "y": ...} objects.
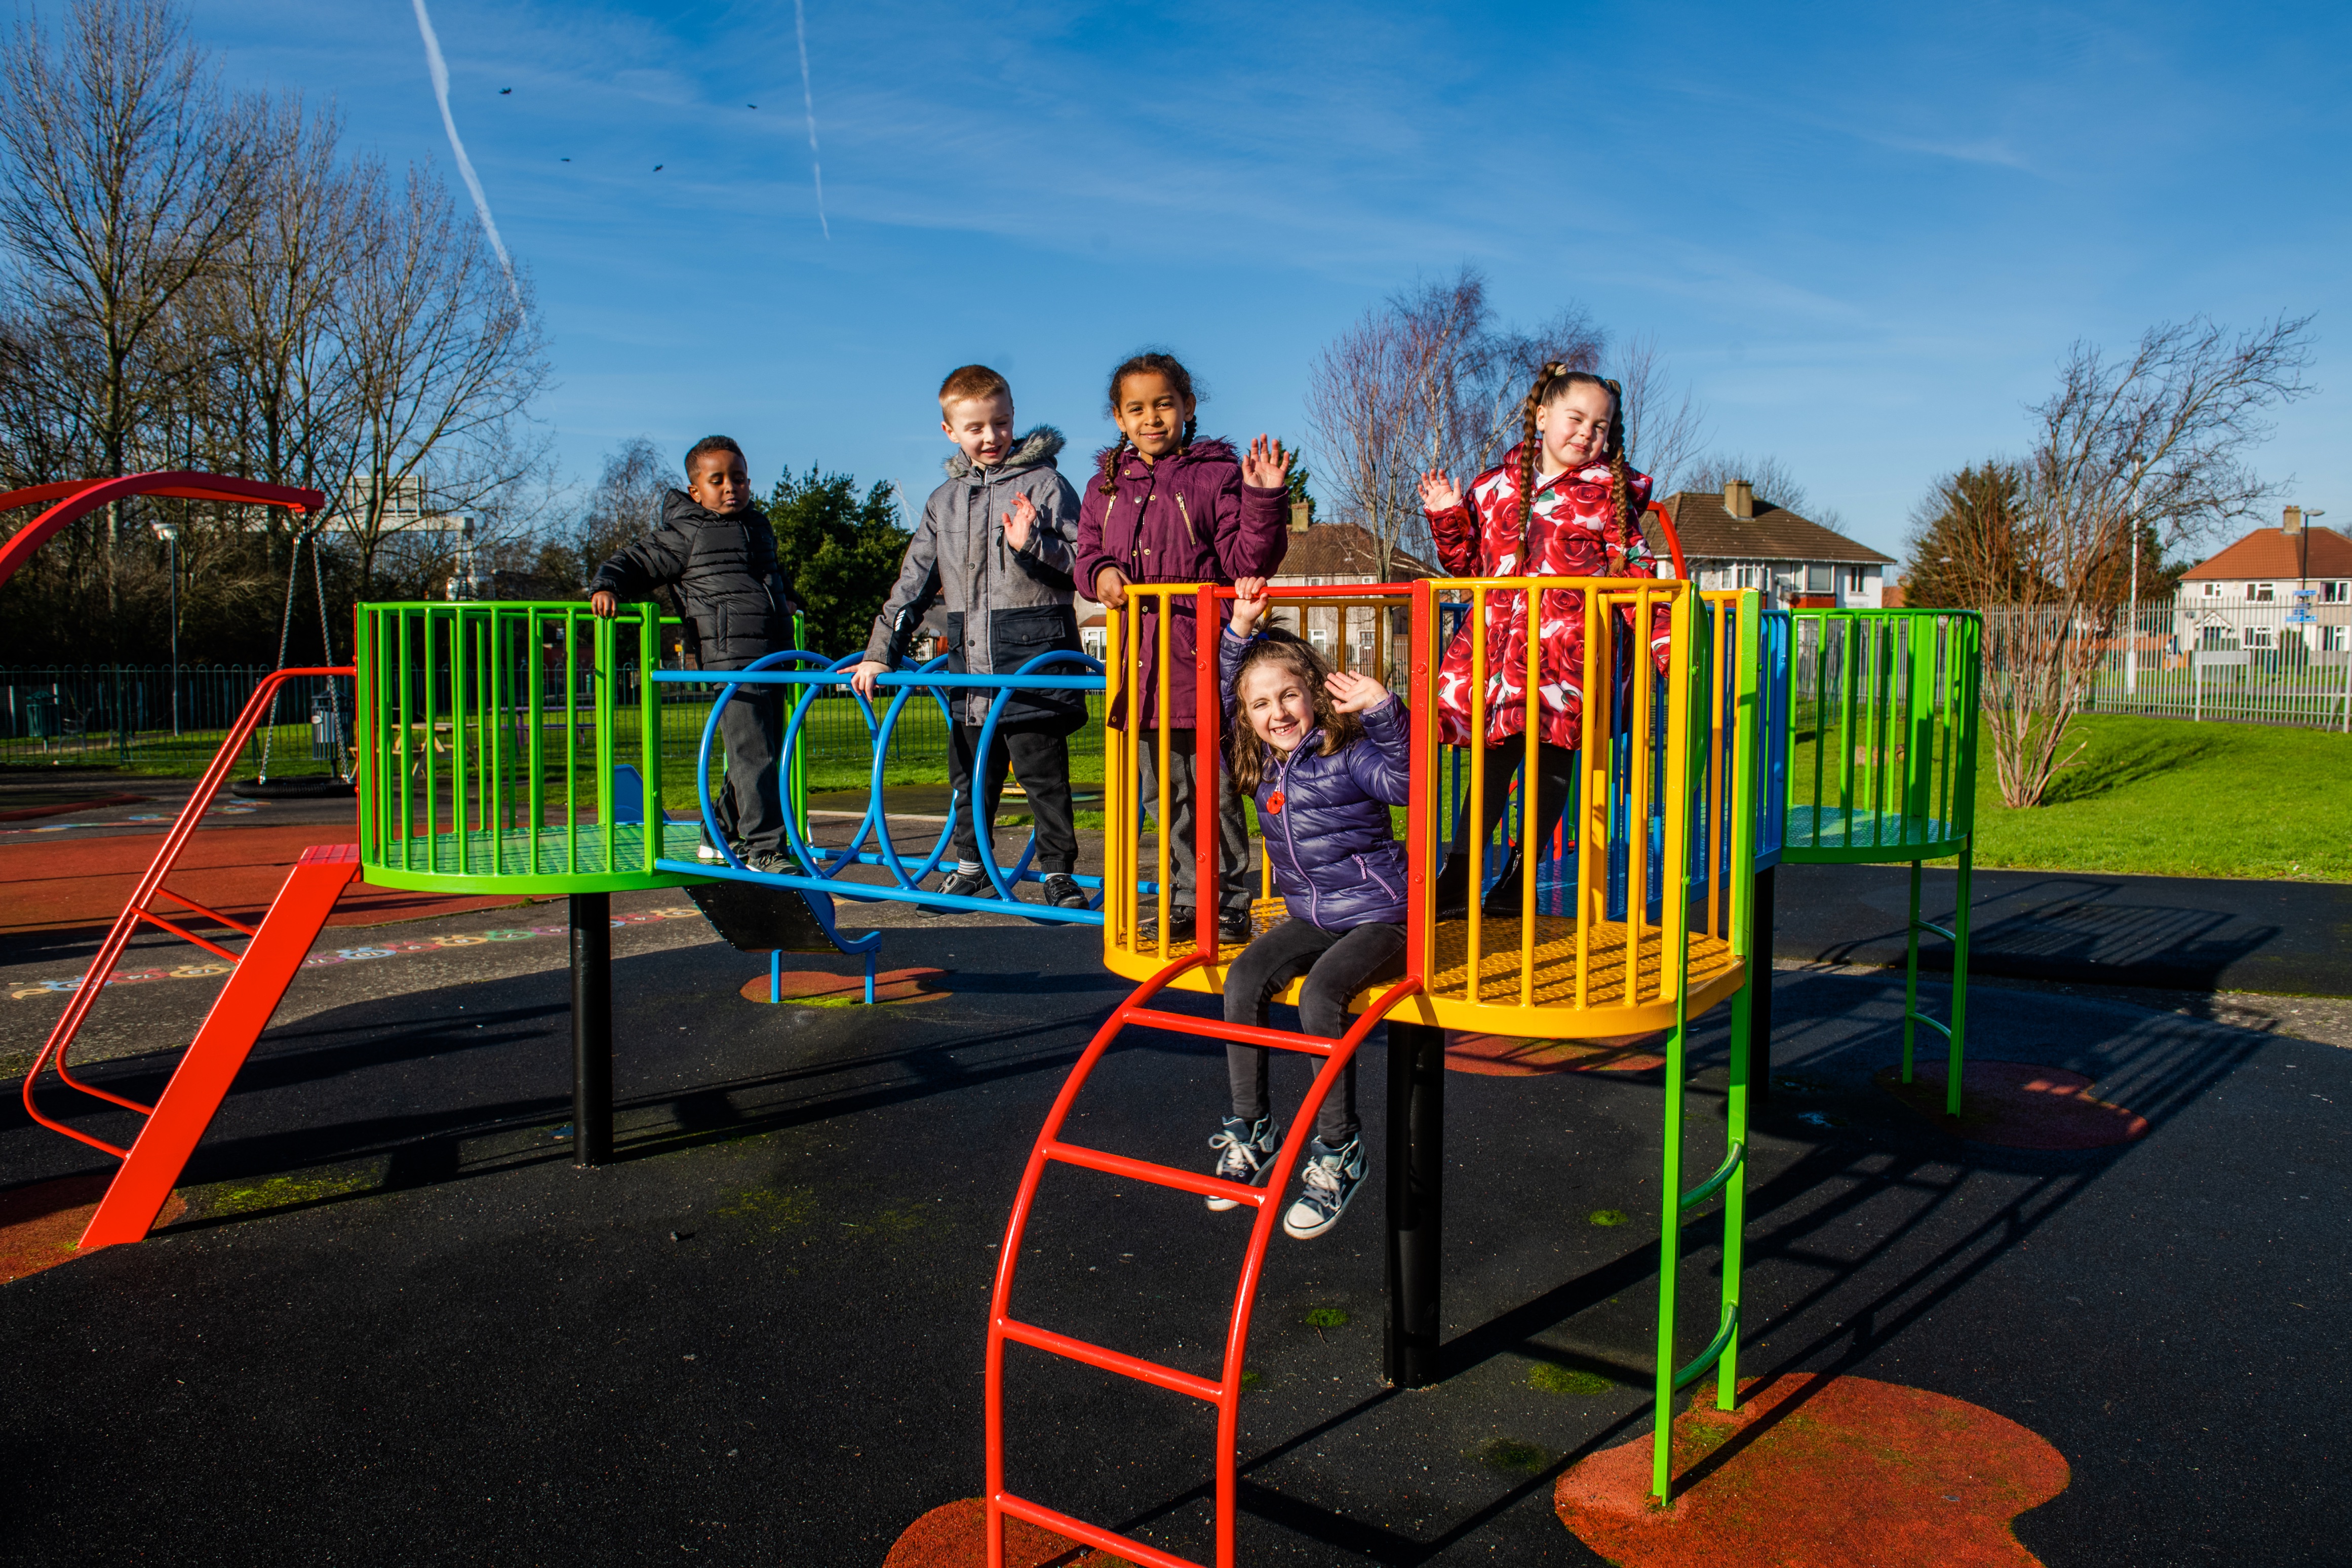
[
  {"x": 1282, "y": 651},
  {"x": 1155, "y": 364},
  {"x": 1554, "y": 381}
]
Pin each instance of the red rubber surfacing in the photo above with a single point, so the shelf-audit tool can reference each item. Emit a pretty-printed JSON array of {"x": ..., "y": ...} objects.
[
  {"x": 83, "y": 883},
  {"x": 1501, "y": 1056},
  {"x": 1816, "y": 1471},
  {"x": 40, "y": 1225},
  {"x": 953, "y": 1536},
  {"x": 816, "y": 987},
  {"x": 2018, "y": 1105}
]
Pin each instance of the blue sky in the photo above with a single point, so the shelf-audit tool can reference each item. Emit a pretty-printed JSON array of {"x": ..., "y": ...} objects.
[{"x": 1862, "y": 235}]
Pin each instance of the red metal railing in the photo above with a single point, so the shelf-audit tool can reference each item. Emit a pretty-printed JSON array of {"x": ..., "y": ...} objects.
[
  {"x": 78, "y": 497},
  {"x": 136, "y": 913}
]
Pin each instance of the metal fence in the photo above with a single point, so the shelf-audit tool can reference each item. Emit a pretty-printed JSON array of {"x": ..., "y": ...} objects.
[{"x": 2200, "y": 658}]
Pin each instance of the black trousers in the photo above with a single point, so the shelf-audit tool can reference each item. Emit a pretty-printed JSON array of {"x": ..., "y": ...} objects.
[
  {"x": 750, "y": 805},
  {"x": 1040, "y": 758},
  {"x": 1555, "y": 773},
  {"x": 1234, "y": 886},
  {"x": 1337, "y": 965}
]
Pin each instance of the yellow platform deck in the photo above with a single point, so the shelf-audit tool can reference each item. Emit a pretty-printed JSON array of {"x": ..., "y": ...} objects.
[{"x": 1715, "y": 974}]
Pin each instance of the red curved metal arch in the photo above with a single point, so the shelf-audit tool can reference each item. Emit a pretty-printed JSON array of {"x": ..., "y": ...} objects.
[
  {"x": 78, "y": 497},
  {"x": 1674, "y": 541}
]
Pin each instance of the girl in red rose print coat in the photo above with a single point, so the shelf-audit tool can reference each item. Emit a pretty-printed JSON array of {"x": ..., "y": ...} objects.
[{"x": 1561, "y": 505}]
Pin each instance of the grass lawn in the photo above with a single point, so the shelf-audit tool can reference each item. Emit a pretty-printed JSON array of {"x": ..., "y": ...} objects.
[{"x": 2164, "y": 797}]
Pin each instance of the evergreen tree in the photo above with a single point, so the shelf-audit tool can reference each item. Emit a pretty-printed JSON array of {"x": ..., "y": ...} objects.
[{"x": 840, "y": 553}]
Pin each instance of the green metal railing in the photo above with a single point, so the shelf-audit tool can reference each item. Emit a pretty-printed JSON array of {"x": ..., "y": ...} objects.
[
  {"x": 1883, "y": 768},
  {"x": 492, "y": 740}
]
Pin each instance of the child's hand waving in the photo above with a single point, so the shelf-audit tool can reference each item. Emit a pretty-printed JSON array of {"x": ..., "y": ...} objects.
[
  {"x": 1249, "y": 604},
  {"x": 1019, "y": 521},
  {"x": 1438, "y": 492},
  {"x": 1354, "y": 693},
  {"x": 1266, "y": 467}
]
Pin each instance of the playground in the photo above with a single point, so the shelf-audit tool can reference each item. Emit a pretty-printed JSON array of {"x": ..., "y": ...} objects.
[{"x": 661, "y": 1219}]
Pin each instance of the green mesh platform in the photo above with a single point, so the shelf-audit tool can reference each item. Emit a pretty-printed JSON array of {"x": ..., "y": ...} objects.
[
  {"x": 1833, "y": 833},
  {"x": 500, "y": 861}
]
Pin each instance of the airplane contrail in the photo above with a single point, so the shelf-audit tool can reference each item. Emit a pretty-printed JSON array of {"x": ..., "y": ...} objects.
[
  {"x": 808, "y": 102},
  {"x": 440, "y": 70}
]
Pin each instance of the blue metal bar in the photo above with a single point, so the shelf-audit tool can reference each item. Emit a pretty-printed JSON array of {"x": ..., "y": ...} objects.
[
  {"x": 870, "y": 892},
  {"x": 754, "y": 676}
]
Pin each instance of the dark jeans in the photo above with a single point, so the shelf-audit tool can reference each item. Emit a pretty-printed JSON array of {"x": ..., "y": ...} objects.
[
  {"x": 751, "y": 807},
  {"x": 1337, "y": 964},
  {"x": 1234, "y": 887},
  {"x": 1040, "y": 761},
  {"x": 1555, "y": 773}
]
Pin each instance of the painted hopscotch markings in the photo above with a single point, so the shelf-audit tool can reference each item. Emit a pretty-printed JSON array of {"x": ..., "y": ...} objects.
[{"x": 364, "y": 953}]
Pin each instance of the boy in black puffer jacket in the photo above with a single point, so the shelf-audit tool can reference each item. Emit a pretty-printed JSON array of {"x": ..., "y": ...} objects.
[{"x": 717, "y": 548}]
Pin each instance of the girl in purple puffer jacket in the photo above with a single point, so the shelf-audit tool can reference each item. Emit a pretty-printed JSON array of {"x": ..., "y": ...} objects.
[{"x": 1325, "y": 754}]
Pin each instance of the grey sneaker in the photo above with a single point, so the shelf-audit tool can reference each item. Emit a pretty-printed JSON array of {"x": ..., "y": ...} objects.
[
  {"x": 767, "y": 862},
  {"x": 961, "y": 884},
  {"x": 709, "y": 854},
  {"x": 1330, "y": 1178},
  {"x": 1062, "y": 891},
  {"x": 1244, "y": 1153}
]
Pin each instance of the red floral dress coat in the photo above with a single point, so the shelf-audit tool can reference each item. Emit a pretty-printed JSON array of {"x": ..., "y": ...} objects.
[{"x": 1572, "y": 533}]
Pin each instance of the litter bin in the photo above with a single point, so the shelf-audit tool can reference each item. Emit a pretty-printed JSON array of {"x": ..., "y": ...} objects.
[
  {"x": 41, "y": 715},
  {"x": 326, "y": 728}
]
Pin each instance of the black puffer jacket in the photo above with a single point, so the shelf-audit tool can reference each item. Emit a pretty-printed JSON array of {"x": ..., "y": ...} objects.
[{"x": 724, "y": 568}]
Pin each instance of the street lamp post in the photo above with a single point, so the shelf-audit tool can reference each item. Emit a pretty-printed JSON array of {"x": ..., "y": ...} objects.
[{"x": 169, "y": 533}]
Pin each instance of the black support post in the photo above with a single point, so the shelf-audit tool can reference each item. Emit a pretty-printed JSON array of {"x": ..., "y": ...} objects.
[
  {"x": 1759, "y": 1017},
  {"x": 591, "y": 1029},
  {"x": 1416, "y": 1170}
]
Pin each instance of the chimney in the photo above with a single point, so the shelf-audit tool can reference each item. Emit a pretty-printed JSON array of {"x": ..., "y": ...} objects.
[
  {"x": 1302, "y": 512},
  {"x": 2291, "y": 522},
  {"x": 1740, "y": 498}
]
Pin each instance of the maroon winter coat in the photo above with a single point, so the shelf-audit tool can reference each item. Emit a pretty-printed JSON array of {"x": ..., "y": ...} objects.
[{"x": 1187, "y": 518}]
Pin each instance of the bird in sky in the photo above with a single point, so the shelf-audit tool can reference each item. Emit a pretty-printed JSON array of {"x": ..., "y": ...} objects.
[
  {"x": 659, "y": 167},
  {"x": 750, "y": 105},
  {"x": 504, "y": 90},
  {"x": 564, "y": 160}
]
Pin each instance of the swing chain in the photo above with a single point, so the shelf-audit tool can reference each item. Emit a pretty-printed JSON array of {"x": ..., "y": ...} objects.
[{"x": 285, "y": 640}]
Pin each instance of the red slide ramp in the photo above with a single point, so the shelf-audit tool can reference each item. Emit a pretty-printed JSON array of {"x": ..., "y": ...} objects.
[
  {"x": 273, "y": 951},
  {"x": 1226, "y": 1392}
]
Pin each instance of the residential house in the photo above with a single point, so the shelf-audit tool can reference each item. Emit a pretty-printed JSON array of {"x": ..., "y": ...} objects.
[
  {"x": 2293, "y": 581},
  {"x": 1731, "y": 542}
]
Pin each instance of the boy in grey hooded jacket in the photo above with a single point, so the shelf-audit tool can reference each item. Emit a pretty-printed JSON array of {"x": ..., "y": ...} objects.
[{"x": 996, "y": 542}]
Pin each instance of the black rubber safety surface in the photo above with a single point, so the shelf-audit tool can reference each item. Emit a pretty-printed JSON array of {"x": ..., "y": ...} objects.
[
  {"x": 398, "y": 1326},
  {"x": 2175, "y": 932}
]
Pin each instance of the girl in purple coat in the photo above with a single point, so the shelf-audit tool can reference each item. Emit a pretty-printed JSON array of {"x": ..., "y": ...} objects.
[
  {"x": 1168, "y": 507},
  {"x": 1325, "y": 753}
]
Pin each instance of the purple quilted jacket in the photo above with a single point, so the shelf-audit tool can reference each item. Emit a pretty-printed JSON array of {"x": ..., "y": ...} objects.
[
  {"x": 1325, "y": 819},
  {"x": 1186, "y": 519}
]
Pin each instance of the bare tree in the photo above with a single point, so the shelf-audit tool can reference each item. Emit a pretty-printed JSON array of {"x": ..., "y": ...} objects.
[
  {"x": 2157, "y": 443},
  {"x": 127, "y": 177},
  {"x": 1663, "y": 424},
  {"x": 625, "y": 505},
  {"x": 1359, "y": 410},
  {"x": 442, "y": 363}
]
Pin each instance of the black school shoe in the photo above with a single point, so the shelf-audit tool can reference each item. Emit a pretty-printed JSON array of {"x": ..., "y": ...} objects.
[
  {"x": 1062, "y": 891},
  {"x": 961, "y": 885}
]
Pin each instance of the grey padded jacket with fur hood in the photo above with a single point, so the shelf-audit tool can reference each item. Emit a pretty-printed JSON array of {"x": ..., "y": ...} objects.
[{"x": 1005, "y": 606}]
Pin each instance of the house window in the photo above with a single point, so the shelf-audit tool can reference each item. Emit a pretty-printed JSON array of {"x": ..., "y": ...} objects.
[
  {"x": 1821, "y": 579},
  {"x": 2258, "y": 636},
  {"x": 1747, "y": 576},
  {"x": 2260, "y": 592},
  {"x": 2212, "y": 590},
  {"x": 1855, "y": 578},
  {"x": 2335, "y": 593},
  {"x": 2332, "y": 638}
]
